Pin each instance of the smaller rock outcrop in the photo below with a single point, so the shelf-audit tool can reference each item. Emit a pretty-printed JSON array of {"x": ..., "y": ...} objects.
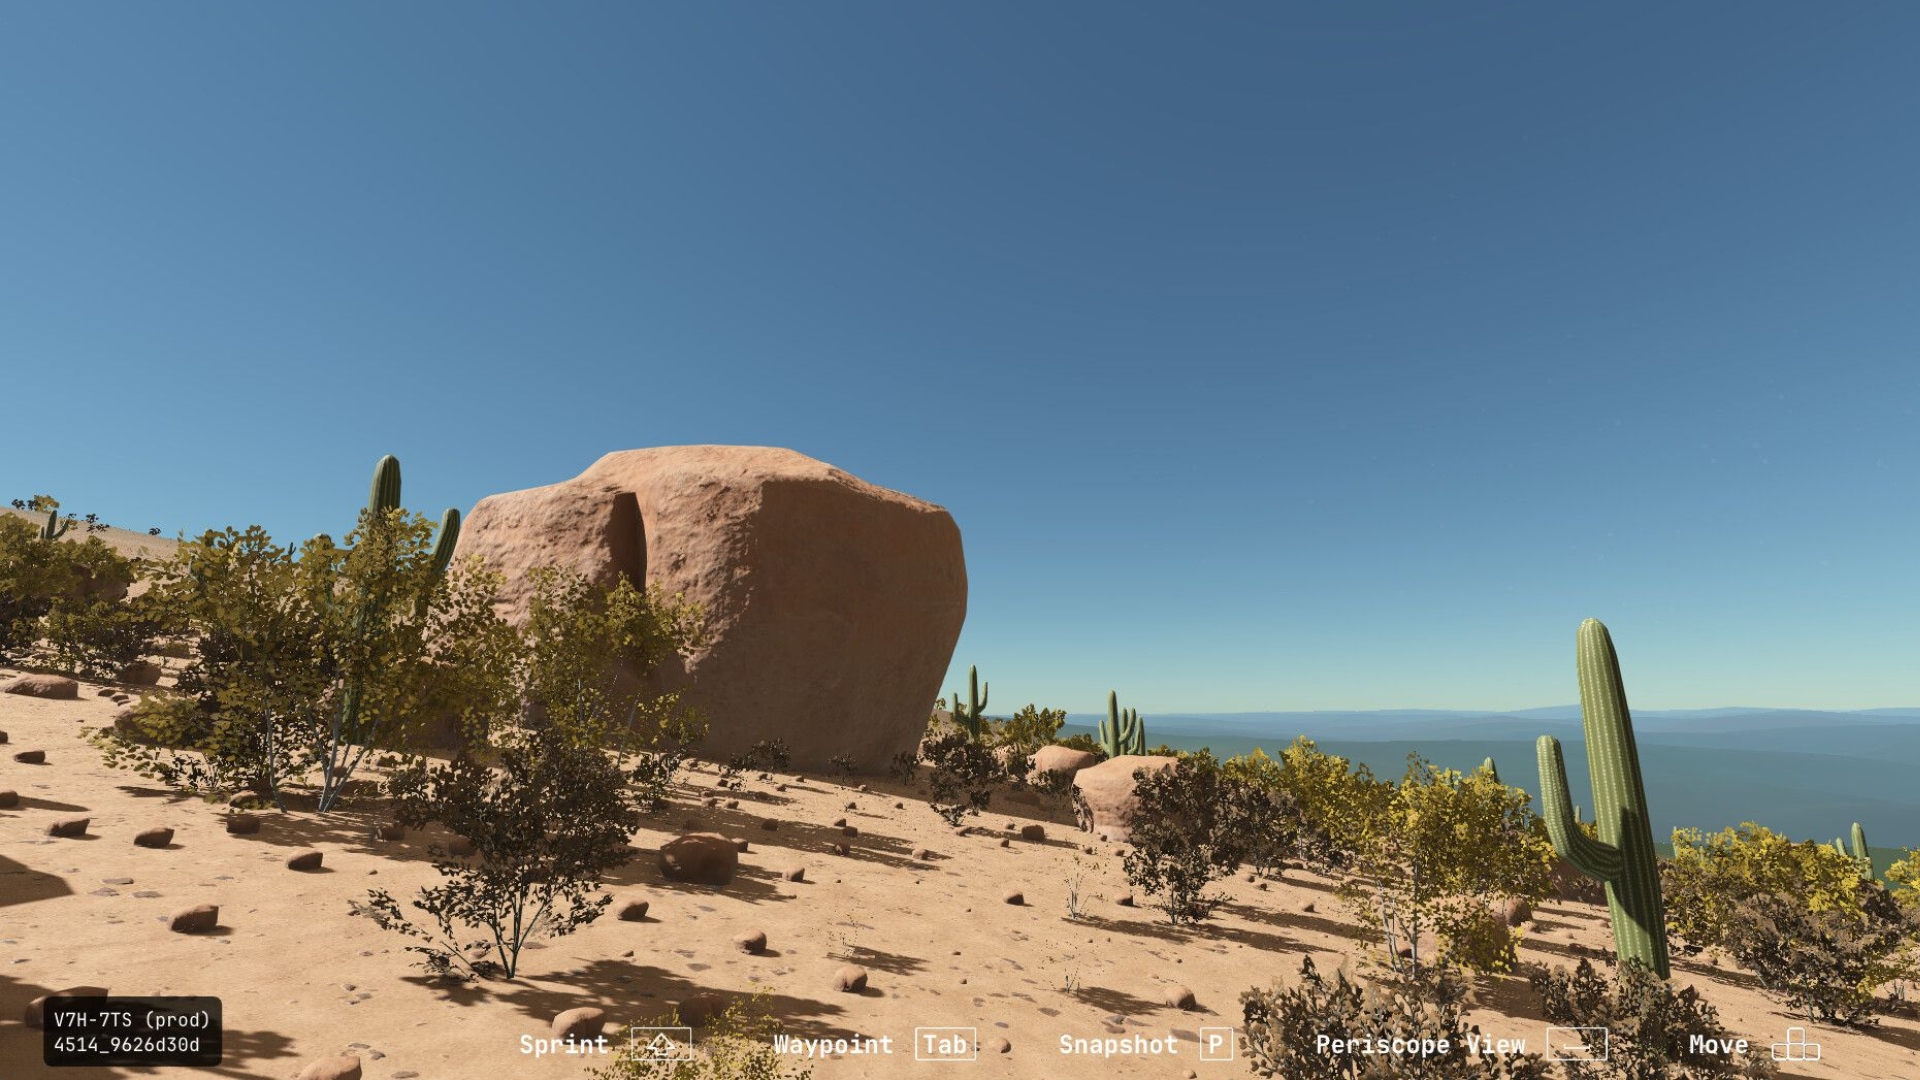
[
  {"x": 700, "y": 859},
  {"x": 56, "y": 687}
]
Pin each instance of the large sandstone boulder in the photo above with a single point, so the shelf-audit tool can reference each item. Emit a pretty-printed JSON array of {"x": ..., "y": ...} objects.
[
  {"x": 1106, "y": 791},
  {"x": 1062, "y": 759},
  {"x": 832, "y": 606}
]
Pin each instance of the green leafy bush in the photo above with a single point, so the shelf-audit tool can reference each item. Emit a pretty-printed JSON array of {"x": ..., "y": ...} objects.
[
  {"x": 1081, "y": 741},
  {"x": 290, "y": 673},
  {"x": 98, "y": 639},
  {"x": 1282, "y": 1028},
  {"x": 75, "y": 581},
  {"x": 541, "y": 791},
  {"x": 1649, "y": 1023},
  {"x": 545, "y": 825},
  {"x": 1710, "y": 876},
  {"x": 1028, "y": 730},
  {"x": 1434, "y": 853}
]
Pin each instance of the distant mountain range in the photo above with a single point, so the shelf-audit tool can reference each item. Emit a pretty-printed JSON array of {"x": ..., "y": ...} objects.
[{"x": 1806, "y": 772}]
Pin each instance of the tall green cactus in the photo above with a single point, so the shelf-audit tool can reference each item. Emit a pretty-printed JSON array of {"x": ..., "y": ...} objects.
[
  {"x": 1623, "y": 857},
  {"x": 383, "y": 496},
  {"x": 969, "y": 714},
  {"x": 54, "y": 529},
  {"x": 1861, "y": 853},
  {"x": 1122, "y": 732},
  {"x": 1491, "y": 769}
]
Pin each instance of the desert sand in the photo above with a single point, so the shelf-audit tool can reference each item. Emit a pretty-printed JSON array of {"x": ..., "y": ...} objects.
[{"x": 302, "y": 979}]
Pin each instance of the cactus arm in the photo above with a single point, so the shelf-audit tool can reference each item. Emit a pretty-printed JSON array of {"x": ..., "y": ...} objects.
[
  {"x": 449, "y": 536},
  {"x": 1112, "y": 739},
  {"x": 384, "y": 495},
  {"x": 1136, "y": 732},
  {"x": 1492, "y": 770},
  {"x": 54, "y": 529},
  {"x": 1597, "y": 860}
]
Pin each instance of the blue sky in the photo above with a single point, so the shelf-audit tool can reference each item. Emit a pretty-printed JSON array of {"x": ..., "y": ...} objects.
[{"x": 1269, "y": 356}]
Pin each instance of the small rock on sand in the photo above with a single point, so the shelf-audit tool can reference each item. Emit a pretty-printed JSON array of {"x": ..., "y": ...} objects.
[
  {"x": 68, "y": 827},
  {"x": 157, "y": 837},
  {"x": 1015, "y": 897},
  {"x": 753, "y": 942},
  {"x": 850, "y": 979},
  {"x": 304, "y": 859},
  {"x": 1178, "y": 997},
  {"x": 344, "y": 1067},
  {"x": 581, "y": 1023},
  {"x": 197, "y": 919},
  {"x": 632, "y": 911},
  {"x": 31, "y": 757},
  {"x": 242, "y": 824}
]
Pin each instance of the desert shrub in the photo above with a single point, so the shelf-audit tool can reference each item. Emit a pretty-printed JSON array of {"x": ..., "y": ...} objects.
[
  {"x": 1282, "y": 1026},
  {"x": 554, "y": 814},
  {"x": 1473, "y": 935},
  {"x": 843, "y": 765},
  {"x": 1649, "y": 1023},
  {"x": 1029, "y": 729},
  {"x": 1903, "y": 877},
  {"x": 247, "y": 710},
  {"x": 588, "y": 648},
  {"x": 315, "y": 661},
  {"x": 961, "y": 774},
  {"x": 545, "y": 825},
  {"x": 1183, "y": 835},
  {"x": 1081, "y": 741},
  {"x": 652, "y": 776},
  {"x": 739, "y": 1044},
  {"x": 1337, "y": 800},
  {"x": 1826, "y": 964},
  {"x": 1267, "y": 819},
  {"x": 767, "y": 754},
  {"x": 1435, "y": 852},
  {"x": 905, "y": 767},
  {"x": 1276, "y": 822},
  {"x": 41, "y": 577},
  {"x": 97, "y": 639},
  {"x": 1710, "y": 876}
]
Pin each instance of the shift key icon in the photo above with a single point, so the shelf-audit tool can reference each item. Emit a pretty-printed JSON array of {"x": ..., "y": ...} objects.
[{"x": 1577, "y": 1044}]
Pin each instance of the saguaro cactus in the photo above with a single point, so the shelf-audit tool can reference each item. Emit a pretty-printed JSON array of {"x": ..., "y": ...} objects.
[
  {"x": 969, "y": 714},
  {"x": 382, "y": 497},
  {"x": 54, "y": 529},
  {"x": 1861, "y": 854},
  {"x": 1623, "y": 857},
  {"x": 1122, "y": 732},
  {"x": 1491, "y": 769}
]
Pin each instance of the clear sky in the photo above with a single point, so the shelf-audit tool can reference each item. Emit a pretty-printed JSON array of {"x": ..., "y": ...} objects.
[{"x": 1269, "y": 356}]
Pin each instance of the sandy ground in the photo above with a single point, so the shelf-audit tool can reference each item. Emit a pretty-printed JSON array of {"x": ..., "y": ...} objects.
[{"x": 301, "y": 978}]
